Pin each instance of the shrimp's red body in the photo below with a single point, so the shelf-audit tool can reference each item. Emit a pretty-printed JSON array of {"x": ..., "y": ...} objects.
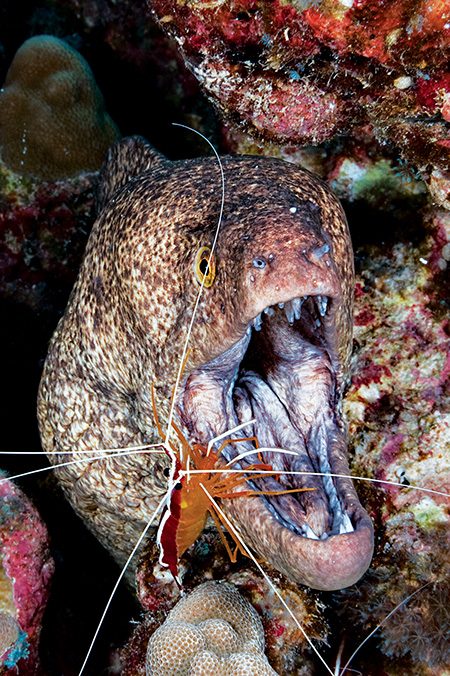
[{"x": 188, "y": 504}]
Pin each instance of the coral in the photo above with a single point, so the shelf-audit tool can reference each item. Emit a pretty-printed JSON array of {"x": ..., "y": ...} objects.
[
  {"x": 211, "y": 630},
  {"x": 52, "y": 118},
  {"x": 26, "y": 569}
]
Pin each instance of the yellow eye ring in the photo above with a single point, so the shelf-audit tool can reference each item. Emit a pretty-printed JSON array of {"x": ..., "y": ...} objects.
[{"x": 205, "y": 271}]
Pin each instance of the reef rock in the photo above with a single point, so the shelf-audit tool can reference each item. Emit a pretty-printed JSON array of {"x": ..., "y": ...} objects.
[
  {"x": 308, "y": 72},
  {"x": 398, "y": 407}
]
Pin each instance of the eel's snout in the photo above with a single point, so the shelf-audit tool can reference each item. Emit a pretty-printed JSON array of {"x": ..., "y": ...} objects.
[{"x": 278, "y": 274}]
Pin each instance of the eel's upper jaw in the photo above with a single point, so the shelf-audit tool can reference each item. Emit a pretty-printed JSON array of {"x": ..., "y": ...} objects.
[{"x": 283, "y": 376}]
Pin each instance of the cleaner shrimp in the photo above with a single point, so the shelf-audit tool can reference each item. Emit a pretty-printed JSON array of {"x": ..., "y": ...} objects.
[
  {"x": 194, "y": 468},
  {"x": 193, "y": 481}
]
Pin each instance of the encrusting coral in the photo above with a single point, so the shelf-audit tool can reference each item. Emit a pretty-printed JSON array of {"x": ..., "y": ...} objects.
[
  {"x": 52, "y": 118},
  {"x": 211, "y": 630}
]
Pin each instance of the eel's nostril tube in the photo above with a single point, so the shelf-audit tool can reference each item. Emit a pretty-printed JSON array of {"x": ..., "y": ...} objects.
[{"x": 319, "y": 251}]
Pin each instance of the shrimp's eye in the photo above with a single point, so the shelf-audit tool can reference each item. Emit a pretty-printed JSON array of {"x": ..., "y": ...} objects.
[{"x": 205, "y": 267}]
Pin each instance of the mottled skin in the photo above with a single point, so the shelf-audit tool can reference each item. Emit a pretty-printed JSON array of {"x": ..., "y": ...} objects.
[{"x": 126, "y": 323}]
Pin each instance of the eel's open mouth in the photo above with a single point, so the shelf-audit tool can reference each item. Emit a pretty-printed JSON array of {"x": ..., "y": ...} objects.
[
  {"x": 281, "y": 373},
  {"x": 287, "y": 384}
]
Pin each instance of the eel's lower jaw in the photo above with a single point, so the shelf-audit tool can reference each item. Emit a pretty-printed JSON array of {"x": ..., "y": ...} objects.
[
  {"x": 288, "y": 538},
  {"x": 334, "y": 563},
  {"x": 322, "y": 537}
]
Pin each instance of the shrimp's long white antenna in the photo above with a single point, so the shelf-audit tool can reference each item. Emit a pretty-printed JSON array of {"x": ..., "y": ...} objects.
[
  {"x": 119, "y": 579},
  {"x": 124, "y": 449},
  {"x": 150, "y": 449},
  {"x": 199, "y": 295},
  {"x": 266, "y": 577},
  {"x": 408, "y": 598},
  {"x": 324, "y": 474},
  {"x": 74, "y": 462},
  {"x": 227, "y": 434}
]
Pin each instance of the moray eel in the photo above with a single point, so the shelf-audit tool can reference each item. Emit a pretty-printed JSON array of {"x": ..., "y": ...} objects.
[{"x": 271, "y": 341}]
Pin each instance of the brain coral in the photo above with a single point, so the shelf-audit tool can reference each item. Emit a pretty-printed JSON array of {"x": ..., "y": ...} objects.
[
  {"x": 52, "y": 118},
  {"x": 213, "y": 630}
]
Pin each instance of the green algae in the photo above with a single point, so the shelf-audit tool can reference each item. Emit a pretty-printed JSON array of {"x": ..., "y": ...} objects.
[
  {"x": 15, "y": 184},
  {"x": 428, "y": 514},
  {"x": 376, "y": 183}
]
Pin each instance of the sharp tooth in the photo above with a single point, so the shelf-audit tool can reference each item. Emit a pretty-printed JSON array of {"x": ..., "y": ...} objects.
[
  {"x": 257, "y": 323},
  {"x": 297, "y": 307},
  {"x": 281, "y": 305},
  {"x": 322, "y": 303},
  {"x": 309, "y": 533},
  {"x": 269, "y": 311},
  {"x": 289, "y": 310},
  {"x": 346, "y": 525},
  {"x": 317, "y": 323}
]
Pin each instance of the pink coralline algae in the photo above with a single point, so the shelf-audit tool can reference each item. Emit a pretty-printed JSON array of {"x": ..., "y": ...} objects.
[
  {"x": 309, "y": 72},
  {"x": 26, "y": 569}
]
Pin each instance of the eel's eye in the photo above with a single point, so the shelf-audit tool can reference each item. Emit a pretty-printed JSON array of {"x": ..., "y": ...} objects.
[
  {"x": 205, "y": 269},
  {"x": 259, "y": 262}
]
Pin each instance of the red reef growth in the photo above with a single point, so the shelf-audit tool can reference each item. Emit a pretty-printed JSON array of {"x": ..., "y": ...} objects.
[
  {"x": 310, "y": 72},
  {"x": 43, "y": 229}
]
